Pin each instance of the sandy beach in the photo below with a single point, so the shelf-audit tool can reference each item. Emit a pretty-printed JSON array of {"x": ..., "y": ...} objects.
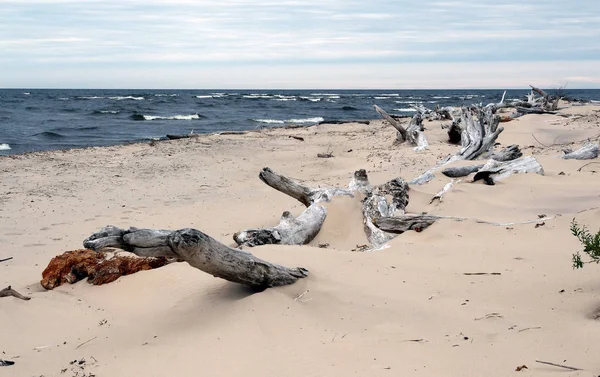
[{"x": 408, "y": 309}]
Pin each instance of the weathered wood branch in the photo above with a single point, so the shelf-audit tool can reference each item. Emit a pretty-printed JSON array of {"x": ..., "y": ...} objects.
[
  {"x": 209, "y": 255},
  {"x": 306, "y": 195},
  {"x": 444, "y": 190},
  {"x": 511, "y": 152},
  {"x": 404, "y": 223},
  {"x": 494, "y": 171},
  {"x": 290, "y": 231},
  {"x": 415, "y": 133},
  {"x": 587, "y": 152},
  {"x": 478, "y": 138},
  {"x": 402, "y": 135},
  {"x": 9, "y": 292},
  {"x": 461, "y": 171}
]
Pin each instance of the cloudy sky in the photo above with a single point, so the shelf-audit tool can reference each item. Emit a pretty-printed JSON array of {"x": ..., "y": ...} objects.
[{"x": 299, "y": 44}]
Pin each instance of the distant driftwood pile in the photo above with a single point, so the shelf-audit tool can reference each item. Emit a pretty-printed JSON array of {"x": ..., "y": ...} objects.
[{"x": 476, "y": 128}]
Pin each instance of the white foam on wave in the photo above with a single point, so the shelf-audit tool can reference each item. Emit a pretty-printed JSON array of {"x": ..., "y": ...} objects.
[
  {"x": 307, "y": 120},
  {"x": 4, "y": 147},
  {"x": 26, "y": 93},
  {"x": 382, "y": 97},
  {"x": 121, "y": 98},
  {"x": 204, "y": 96},
  {"x": 91, "y": 97},
  {"x": 166, "y": 95},
  {"x": 109, "y": 111},
  {"x": 311, "y": 99},
  {"x": 64, "y": 98},
  {"x": 277, "y": 121},
  {"x": 269, "y": 121},
  {"x": 174, "y": 117},
  {"x": 405, "y": 110},
  {"x": 257, "y": 96},
  {"x": 441, "y": 97},
  {"x": 390, "y": 94},
  {"x": 409, "y": 102}
]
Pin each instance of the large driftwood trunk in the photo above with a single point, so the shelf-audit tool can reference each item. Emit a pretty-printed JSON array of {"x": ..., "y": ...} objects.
[
  {"x": 478, "y": 138},
  {"x": 306, "y": 195},
  {"x": 494, "y": 171},
  {"x": 200, "y": 251},
  {"x": 376, "y": 205},
  {"x": 413, "y": 133},
  {"x": 290, "y": 231}
]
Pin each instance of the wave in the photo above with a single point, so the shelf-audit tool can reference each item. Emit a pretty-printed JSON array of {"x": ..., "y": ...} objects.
[
  {"x": 4, "y": 147},
  {"x": 121, "y": 98},
  {"x": 165, "y": 95},
  {"x": 441, "y": 97},
  {"x": 382, "y": 97},
  {"x": 89, "y": 97},
  {"x": 50, "y": 135},
  {"x": 174, "y": 117},
  {"x": 405, "y": 110},
  {"x": 349, "y": 108},
  {"x": 269, "y": 121},
  {"x": 64, "y": 98},
  {"x": 277, "y": 121},
  {"x": 257, "y": 96},
  {"x": 311, "y": 99},
  {"x": 105, "y": 112}
]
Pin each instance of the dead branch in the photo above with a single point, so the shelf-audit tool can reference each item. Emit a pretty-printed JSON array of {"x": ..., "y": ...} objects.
[{"x": 8, "y": 291}]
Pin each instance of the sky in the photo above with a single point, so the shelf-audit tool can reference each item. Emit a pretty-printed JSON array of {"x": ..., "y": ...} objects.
[{"x": 304, "y": 44}]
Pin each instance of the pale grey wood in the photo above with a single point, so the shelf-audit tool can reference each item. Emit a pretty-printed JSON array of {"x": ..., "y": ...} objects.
[
  {"x": 306, "y": 195},
  {"x": 534, "y": 110},
  {"x": 146, "y": 237},
  {"x": 509, "y": 153},
  {"x": 404, "y": 223},
  {"x": 415, "y": 133},
  {"x": 290, "y": 231},
  {"x": 209, "y": 255},
  {"x": 402, "y": 136},
  {"x": 444, "y": 190},
  {"x": 461, "y": 171},
  {"x": 478, "y": 139},
  {"x": 155, "y": 252},
  {"x": 494, "y": 171},
  {"x": 587, "y": 152}
]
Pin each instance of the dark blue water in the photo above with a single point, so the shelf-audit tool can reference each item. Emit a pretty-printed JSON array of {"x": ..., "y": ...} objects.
[{"x": 34, "y": 120}]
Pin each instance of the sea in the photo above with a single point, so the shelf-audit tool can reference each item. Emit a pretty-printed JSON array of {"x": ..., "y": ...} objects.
[{"x": 47, "y": 119}]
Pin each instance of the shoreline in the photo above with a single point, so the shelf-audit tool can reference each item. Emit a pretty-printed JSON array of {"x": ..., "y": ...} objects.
[{"x": 359, "y": 310}]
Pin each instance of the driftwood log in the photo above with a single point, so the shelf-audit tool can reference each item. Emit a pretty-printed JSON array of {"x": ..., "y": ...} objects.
[
  {"x": 9, "y": 292},
  {"x": 587, "y": 152},
  {"x": 290, "y": 231},
  {"x": 404, "y": 223},
  {"x": 494, "y": 171},
  {"x": 509, "y": 153},
  {"x": 413, "y": 133},
  {"x": 461, "y": 171},
  {"x": 202, "y": 252}
]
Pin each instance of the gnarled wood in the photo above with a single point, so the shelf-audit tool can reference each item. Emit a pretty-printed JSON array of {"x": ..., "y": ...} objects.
[
  {"x": 404, "y": 223},
  {"x": 587, "y": 152},
  {"x": 494, "y": 171},
  {"x": 402, "y": 135},
  {"x": 461, "y": 171},
  {"x": 415, "y": 134},
  {"x": 9, "y": 292},
  {"x": 509, "y": 153},
  {"x": 290, "y": 231},
  {"x": 209, "y": 255},
  {"x": 306, "y": 195}
]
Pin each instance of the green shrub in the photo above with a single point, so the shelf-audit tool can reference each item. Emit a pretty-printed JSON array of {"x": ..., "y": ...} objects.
[{"x": 590, "y": 242}]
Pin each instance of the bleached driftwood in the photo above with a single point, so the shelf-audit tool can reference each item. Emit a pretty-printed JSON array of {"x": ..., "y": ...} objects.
[
  {"x": 401, "y": 136},
  {"x": 549, "y": 103},
  {"x": 494, "y": 171},
  {"x": 404, "y": 223},
  {"x": 202, "y": 252},
  {"x": 534, "y": 110},
  {"x": 376, "y": 205},
  {"x": 587, "y": 152},
  {"x": 413, "y": 133},
  {"x": 306, "y": 195},
  {"x": 478, "y": 138},
  {"x": 511, "y": 152},
  {"x": 290, "y": 231},
  {"x": 444, "y": 190},
  {"x": 461, "y": 171},
  {"x": 9, "y": 292}
]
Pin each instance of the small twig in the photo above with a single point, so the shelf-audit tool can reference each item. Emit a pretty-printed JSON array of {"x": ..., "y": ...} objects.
[
  {"x": 86, "y": 342},
  {"x": 542, "y": 144},
  {"x": 8, "y": 291},
  {"x": 5, "y": 259},
  {"x": 589, "y": 163},
  {"x": 414, "y": 340},
  {"x": 557, "y": 365},
  {"x": 297, "y": 137},
  {"x": 529, "y": 328},
  {"x": 482, "y": 273},
  {"x": 490, "y": 315},
  {"x": 301, "y": 295}
]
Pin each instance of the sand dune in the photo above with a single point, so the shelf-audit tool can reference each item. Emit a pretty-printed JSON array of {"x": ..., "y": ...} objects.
[{"x": 408, "y": 309}]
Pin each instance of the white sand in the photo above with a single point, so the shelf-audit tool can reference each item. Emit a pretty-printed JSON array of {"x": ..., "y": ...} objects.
[{"x": 361, "y": 311}]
